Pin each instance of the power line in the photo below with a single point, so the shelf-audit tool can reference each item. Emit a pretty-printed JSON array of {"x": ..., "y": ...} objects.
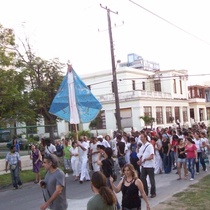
[{"x": 196, "y": 37}]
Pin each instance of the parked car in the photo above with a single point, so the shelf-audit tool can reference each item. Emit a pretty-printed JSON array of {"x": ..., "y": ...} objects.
[{"x": 22, "y": 142}]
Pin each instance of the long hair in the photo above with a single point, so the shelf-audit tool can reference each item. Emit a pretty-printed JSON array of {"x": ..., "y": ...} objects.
[
  {"x": 132, "y": 169},
  {"x": 99, "y": 182},
  {"x": 190, "y": 140}
]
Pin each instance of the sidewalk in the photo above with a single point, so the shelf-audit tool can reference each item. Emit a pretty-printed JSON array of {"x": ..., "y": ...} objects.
[
  {"x": 166, "y": 185},
  {"x": 25, "y": 160}
]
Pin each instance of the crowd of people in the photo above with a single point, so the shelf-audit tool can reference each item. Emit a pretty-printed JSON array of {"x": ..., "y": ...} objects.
[{"x": 138, "y": 155}]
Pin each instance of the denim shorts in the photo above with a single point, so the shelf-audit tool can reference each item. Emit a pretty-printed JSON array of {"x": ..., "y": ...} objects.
[{"x": 182, "y": 160}]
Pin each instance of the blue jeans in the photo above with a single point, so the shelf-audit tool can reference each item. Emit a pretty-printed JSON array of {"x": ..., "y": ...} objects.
[
  {"x": 191, "y": 165},
  {"x": 173, "y": 158},
  {"x": 201, "y": 160},
  {"x": 167, "y": 163},
  {"x": 15, "y": 177}
]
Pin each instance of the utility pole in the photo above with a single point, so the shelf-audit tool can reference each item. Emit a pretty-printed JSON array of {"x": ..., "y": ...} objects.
[{"x": 118, "y": 118}]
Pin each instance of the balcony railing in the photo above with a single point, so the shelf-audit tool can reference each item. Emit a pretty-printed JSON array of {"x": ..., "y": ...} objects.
[{"x": 135, "y": 95}]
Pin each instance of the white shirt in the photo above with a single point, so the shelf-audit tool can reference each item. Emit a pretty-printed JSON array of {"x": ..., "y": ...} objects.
[
  {"x": 74, "y": 151},
  {"x": 93, "y": 148},
  {"x": 146, "y": 153},
  {"x": 198, "y": 144},
  {"x": 104, "y": 142},
  {"x": 82, "y": 153},
  {"x": 50, "y": 149}
]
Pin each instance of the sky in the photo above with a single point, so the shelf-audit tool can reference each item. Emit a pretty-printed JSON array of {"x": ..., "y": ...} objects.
[{"x": 78, "y": 30}]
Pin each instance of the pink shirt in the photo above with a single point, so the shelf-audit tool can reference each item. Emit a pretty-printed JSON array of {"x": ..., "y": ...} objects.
[{"x": 191, "y": 151}]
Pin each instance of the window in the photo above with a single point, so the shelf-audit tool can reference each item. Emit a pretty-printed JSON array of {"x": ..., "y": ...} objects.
[
  {"x": 49, "y": 127},
  {"x": 99, "y": 122},
  {"x": 126, "y": 118},
  {"x": 174, "y": 86},
  {"x": 157, "y": 85},
  {"x": 168, "y": 115},
  {"x": 103, "y": 120},
  {"x": 133, "y": 85},
  {"x": 148, "y": 111},
  {"x": 192, "y": 114},
  {"x": 184, "y": 109},
  {"x": 208, "y": 113},
  {"x": 143, "y": 85},
  {"x": 177, "y": 114},
  {"x": 159, "y": 115}
]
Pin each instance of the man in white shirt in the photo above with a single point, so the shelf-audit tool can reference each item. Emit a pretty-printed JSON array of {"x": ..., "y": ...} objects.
[
  {"x": 102, "y": 141},
  {"x": 49, "y": 148},
  {"x": 83, "y": 158},
  {"x": 147, "y": 161}
]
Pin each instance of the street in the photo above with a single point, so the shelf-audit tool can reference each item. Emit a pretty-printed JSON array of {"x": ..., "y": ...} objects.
[{"x": 30, "y": 196}]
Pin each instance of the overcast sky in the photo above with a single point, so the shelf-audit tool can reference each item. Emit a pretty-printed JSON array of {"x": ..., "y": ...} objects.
[{"x": 68, "y": 29}]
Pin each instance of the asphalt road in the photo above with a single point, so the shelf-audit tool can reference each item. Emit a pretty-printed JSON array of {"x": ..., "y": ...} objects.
[{"x": 30, "y": 196}]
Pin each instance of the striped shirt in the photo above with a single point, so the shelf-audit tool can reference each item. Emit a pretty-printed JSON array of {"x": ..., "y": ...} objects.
[{"x": 12, "y": 158}]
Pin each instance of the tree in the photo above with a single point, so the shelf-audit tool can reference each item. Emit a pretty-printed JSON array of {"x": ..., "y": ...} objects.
[
  {"x": 96, "y": 123},
  {"x": 44, "y": 78},
  {"x": 13, "y": 103},
  {"x": 147, "y": 120}
]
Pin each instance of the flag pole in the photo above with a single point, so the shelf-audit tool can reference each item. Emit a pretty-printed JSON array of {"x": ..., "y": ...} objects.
[{"x": 76, "y": 131}]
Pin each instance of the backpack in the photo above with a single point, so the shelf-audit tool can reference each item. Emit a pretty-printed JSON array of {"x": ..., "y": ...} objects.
[{"x": 59, "y": 150}]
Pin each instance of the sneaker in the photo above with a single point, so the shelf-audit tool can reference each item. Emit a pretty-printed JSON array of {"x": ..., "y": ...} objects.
[
  {"x": 15, "y": 188},
  {"x": 197, "y": 173},
  {"x": 66, "y": 175},
  {"x": 191, "y": 179},
  {"x": 20, "y": 186}
]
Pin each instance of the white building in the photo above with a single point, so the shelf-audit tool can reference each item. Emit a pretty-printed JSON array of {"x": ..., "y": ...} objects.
[{"x": 162, "y": 95}]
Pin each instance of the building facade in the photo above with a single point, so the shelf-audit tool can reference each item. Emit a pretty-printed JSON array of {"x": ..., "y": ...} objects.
[{"x": 162, "y": 95}]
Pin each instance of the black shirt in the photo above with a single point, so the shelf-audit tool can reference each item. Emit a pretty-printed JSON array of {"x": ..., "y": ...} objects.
[{"x": 107, "y": 165}]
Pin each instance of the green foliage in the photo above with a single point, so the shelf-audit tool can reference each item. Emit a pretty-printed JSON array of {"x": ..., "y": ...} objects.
[
  {"x": 84, "y": 133},
  {"x": 28, "y": 85},
  {"x": 95, "y": 124},
  {"x": 147, "y": 119},
  {"x": 71, "y": 135}
]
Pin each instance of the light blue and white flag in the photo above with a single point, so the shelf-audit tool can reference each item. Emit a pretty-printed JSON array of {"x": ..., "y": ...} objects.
[{"x": 74, "y": 101}]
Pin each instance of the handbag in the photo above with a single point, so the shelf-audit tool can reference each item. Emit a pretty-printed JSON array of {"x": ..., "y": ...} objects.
[
  {"x": 13, "y": 167},
  {"x": 204, "y": 155}
]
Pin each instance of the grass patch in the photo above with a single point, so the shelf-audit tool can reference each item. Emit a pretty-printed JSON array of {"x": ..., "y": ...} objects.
[
  {"x": 25, "y": 176},
  {"x": 196, "y": 197}
]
